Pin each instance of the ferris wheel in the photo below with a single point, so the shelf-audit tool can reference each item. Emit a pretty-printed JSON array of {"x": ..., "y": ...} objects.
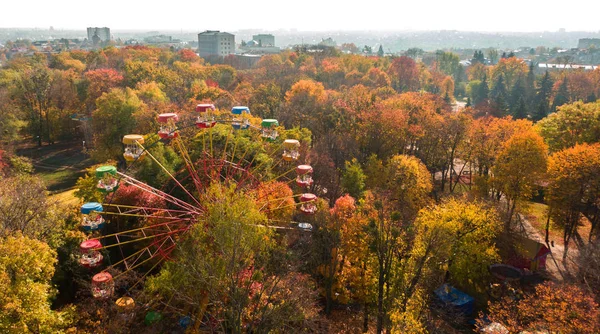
[{"x": 144, "y": 247}]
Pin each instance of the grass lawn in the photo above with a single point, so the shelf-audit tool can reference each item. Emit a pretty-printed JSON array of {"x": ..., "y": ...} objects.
[
  {"x": 60, "y": 179},
  {"x": 65, "y": 197},
  {"x": 537, "y": 215},
  {"x": 59, "y": 165}
]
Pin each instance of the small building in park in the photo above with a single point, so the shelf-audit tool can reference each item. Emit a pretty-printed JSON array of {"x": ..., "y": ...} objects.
[{"x": 531, "y": 254}]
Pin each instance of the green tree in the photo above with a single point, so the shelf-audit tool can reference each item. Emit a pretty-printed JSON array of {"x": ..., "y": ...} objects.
[
  {"x": 483, "y": 91},
  {"x": 113, "y": 119},
  {"x": 498, "y": 94},
  {"x": 520, "y": 111},
  {"x": 225, "y": 268},
  {"x": 517, "y": 94},
  {"x": 562, "y": 95},
  {"x": 33, "y": 91},
  {"x": 353, "y": 179},
  {"x": 542, "y": 99},
  {"x": 574, "y": 123},
  {"x": 380, "y": 51}
]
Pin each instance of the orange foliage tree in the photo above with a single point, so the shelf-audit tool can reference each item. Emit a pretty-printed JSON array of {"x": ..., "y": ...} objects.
[
  {"x": 552, "y": 307},
  {"x": 574, "y": 188}
]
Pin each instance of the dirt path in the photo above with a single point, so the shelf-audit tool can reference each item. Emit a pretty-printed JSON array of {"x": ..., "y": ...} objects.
[{"x": 555, "y": 266}]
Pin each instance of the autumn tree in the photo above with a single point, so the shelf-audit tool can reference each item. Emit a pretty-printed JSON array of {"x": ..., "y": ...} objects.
[
  {"x": 26, "y": 270},
  {"x": 520, "y": 166},
  {"x": 456, "y": 234},
  {"x": 404, "y": 74},
  {"x": 100, "y": 81},
  {"x": 408, "y": 187},
  {"x": 561, "y": 308},
  {"x": 574, "y": 185},
  {"x": 113, "y": 119},
  {"x": 224, "y": 269},
  {"x": 510, "y": 69},
  {"x": 25, "y": 209},
  {"x": 33, "y": 91},
  {"x": 304, "y": 102},
  {"x": 572, "y": 124}
]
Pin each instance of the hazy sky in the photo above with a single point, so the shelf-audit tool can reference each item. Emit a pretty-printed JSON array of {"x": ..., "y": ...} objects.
[{"x": 199, "y": 15}]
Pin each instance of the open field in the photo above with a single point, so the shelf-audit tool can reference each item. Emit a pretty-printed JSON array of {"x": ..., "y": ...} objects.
[{"x": 59, "y": 165}]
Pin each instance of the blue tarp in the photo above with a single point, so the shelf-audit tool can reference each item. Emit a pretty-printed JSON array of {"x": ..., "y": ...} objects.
[{"x": 449, "y": 295}]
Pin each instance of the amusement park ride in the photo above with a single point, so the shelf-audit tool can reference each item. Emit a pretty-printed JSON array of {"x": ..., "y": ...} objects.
[{"x": 158, "y": 236}]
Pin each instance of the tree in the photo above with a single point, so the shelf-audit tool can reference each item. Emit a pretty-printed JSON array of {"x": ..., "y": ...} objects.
[
  {"x": 552, "y": 307},
  {"x": 520, "y": 111},
  {"x": 380, "y": 51},
  {"x": 353, "y": 179},
  {"x": 304, "y": 100},
  {"x": 543, "y": 97},
  {"x": 404, "y": 74},
  {"x": 100, "y": 81},
  {"x": 26, "y": 270},
  {"x": 225, "y": 268},
  {"x": 113, "y": 119},
  {"x": 33, "y": 91},
  {"x": 574, "y": 185},
  {"x": 478, "y": 57},
  {"x": 575, "y": 123},
  {"x": 408, "y": 187},
  {"x": 498, "y": 95},
  {"x": 492, "y": 55},
  {"x": 358, "y": 267},
  {"x": 517, "y": 94},
  {"x": 511, "y": 69},
  {"x": 562, "y": 95},
  {"x": 25, "y": 209},
  {"x": 482, "y": 91},
  {"x": 453, "y": 243},
  {"x": 519, "y": 167}
]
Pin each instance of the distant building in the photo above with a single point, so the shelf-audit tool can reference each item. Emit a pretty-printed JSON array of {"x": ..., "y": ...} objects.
[
  {"x": 215, "y": 43},
  {"x": 161, "y": 39},
  {"x": 328, "y": 42},
  {"x": 549, "y": 66},
  {"x": 585, "y": 43},
  {"x": 98, "y": 34},
  {"x": 264, "y": 40},
  {"x": 260, "y": 44}
]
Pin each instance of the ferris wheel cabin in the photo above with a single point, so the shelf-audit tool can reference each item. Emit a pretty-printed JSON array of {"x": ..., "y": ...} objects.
[
  {"x": 240, "y": 118},
  {"x": 92, "y": 220},
  {"x": 206, "y": 118},
  {"x": 133, "y": 150}
]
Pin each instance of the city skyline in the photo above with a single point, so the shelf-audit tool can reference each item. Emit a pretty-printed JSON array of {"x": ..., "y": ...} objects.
[{"x": 310, "y": 15}]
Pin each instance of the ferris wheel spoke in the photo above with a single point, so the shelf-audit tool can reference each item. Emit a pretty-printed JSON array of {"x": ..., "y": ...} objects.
[
  {"x": 188, "y": 163},
  {"x": 171, "y": 176},
  {"x": 158, "y": 193},
  {"x": 136, "y": 211},
  {"x": 173, "y": 227}
]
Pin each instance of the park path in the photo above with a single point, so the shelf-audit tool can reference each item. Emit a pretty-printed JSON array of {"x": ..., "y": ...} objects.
[{"x": 556, "y": 267}]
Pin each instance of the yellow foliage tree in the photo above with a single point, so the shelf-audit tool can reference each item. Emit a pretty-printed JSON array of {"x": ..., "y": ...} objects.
[{"x": 520, "y": 166}]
